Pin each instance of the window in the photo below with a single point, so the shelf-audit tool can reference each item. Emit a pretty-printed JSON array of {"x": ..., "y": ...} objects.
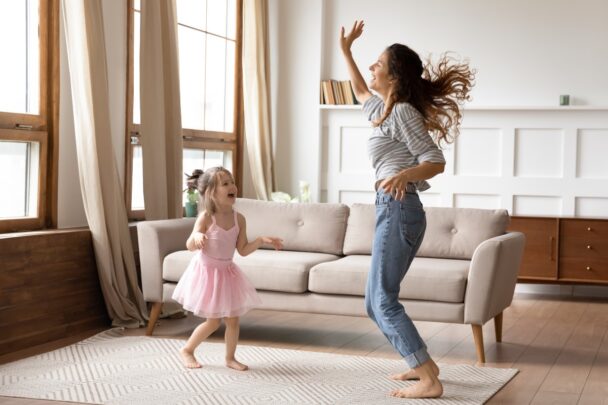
[
  {"x": 28, "y": 111},
  {"x": 209, "y": 65}
]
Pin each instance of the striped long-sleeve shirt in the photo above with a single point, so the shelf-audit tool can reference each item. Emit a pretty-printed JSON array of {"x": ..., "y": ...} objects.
[{"x": 400, "y": 142}]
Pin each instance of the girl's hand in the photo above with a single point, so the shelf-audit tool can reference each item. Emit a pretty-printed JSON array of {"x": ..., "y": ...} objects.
[
  {"x": 395, "y": 185},
  {"x": 275, "y": 242},
  {"x": 199, "y": 240},
  {"x": 347, "y": 41}
]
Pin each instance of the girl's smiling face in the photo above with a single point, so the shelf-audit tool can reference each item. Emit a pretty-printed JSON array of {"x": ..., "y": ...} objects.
[{"x": 225, "y": 191}]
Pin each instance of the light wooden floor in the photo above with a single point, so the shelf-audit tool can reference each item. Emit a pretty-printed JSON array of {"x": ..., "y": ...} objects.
[{"x": 559, "y": 345}]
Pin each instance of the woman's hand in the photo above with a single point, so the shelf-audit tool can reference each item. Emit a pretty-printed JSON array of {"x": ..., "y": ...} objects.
[
  {"x": 395, "y": 185},
  {"x": 199, "y": 240},
  {"x": 275, "y": 242},
  {"x": 347, "y": 41}
]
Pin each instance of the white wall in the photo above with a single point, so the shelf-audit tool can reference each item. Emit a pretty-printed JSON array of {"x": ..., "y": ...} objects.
[
  {"x": 526, "y": 53},
  {"x": 296, "y": 29},
  {"x": 70, "y": 210}
]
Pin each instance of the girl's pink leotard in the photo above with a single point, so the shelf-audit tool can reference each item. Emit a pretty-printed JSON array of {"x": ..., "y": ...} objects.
[{"x": 213, "y": 286}]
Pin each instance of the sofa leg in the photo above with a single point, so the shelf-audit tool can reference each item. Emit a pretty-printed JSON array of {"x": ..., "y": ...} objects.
[
  {"x": 154, "y": 314},
  {"x": 478, "y": 337},
  {"x": 498, "y": 327}
]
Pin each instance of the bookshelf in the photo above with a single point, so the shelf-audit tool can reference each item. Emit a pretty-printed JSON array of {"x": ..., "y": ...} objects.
[
  {"x": 336, "y": 92},
  {"x": 339, "y": 106}
]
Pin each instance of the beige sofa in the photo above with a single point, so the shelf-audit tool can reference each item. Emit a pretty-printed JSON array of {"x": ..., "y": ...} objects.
[{"x": 465, "y": 270}]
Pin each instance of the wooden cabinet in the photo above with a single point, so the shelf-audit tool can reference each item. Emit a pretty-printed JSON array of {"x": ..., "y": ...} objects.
[
  {"x": 563, "y": 250},
  {"x": 583, "y": 250},
  {"x": 540, "y": 254}
]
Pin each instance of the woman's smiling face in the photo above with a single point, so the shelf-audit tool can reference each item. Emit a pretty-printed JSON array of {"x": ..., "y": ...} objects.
[{"x": 381, "y": 79}]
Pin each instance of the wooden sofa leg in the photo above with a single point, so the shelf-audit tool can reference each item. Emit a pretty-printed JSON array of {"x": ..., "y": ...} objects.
[
  {"x": 154, "y": 314},
  {"x": 498, "y": 327},
  {"x": 478, "y": 337}
]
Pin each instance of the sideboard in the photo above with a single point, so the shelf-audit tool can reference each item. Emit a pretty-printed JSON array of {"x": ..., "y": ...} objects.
[{"x": 563, "y": 250}]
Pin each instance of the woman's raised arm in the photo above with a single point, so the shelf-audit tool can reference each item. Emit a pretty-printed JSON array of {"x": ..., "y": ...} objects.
[{"x": 360, "y": 88}]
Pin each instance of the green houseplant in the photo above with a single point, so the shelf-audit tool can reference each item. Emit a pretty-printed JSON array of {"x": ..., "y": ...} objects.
[{"x": 192, "y": 196}]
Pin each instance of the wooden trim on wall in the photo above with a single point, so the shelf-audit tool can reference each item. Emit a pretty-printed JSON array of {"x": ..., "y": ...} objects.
[
  {"x": 192, "y": 138},
  {"x": 37, "y": 222},
  {"x": 49, "y": 288},
  {"x": 52, "y": 171},
  {"x": 199, "y": 133},
  {"x": 42, "y": 127},
  {"x": 238, "y": 94},
  {"x": 130, "y": 128}
]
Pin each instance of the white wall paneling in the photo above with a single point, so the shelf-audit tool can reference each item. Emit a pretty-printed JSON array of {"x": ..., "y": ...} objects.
[
  {"x": 477, "y": 201},
  {"x": 591, "y": 158},
  {"x": 592, "y": 207},
  {"x": 347, "y": 175},
  {"x": 538, "y": 152},
  {"x": 537, "y": 205},
  {"x": 467, "y": 160},
  {"x": 537, "y": 161}
]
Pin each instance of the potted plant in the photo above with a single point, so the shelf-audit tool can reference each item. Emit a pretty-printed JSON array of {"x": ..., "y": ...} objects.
[{"x": 192, "y": 196}]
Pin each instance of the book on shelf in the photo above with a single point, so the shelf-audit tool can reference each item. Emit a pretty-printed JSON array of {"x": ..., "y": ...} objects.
[
  {"x": 328, "y": 93},
  {"x": 337, "y": 92}
]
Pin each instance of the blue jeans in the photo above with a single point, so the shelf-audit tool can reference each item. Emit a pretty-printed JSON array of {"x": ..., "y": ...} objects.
[{"x": 400, "y": 227}]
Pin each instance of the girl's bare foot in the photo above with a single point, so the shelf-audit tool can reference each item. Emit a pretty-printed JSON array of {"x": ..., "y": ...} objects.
[
  {"x": 422, "y": 389},
  {"x": 412, "y": 374},
  {"x": 236, "y": 365},
  {"x": 188, "y": 359}
]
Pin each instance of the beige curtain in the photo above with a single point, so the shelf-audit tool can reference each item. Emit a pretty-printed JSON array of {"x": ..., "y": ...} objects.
[
  {"x": 99, "y": 182},
  {"x": 256, "y": 96},
  {"x": 161, "y": 125}
]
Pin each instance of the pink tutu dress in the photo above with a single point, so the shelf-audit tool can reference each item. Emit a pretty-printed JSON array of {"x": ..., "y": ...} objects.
[{"x": 213, "y": 286}]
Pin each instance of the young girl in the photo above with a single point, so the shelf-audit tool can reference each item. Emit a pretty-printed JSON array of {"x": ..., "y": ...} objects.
[{"x": 213, "y": 287}]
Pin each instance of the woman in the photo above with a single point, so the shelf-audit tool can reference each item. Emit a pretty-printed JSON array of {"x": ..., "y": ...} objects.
[{"x": 414, "y": 104}]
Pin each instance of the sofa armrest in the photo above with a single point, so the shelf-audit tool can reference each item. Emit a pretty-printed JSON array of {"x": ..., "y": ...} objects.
[
  {"x": 492, "y": 277},
  {"x": 156, "y": 240}
]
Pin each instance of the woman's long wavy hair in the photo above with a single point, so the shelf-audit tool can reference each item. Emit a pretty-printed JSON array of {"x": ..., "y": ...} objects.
[{"x": 436, "y": 90}]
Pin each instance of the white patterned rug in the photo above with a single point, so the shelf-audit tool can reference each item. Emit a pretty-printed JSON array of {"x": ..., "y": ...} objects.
[{"x": 110, "y": 368}]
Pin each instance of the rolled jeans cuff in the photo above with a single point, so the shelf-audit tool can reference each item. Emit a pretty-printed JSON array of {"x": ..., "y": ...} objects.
[{"x": 417, "y": 358}]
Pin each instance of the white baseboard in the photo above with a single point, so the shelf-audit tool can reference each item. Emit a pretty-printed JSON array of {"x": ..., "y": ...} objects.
[{"x": 564, "y": 290}]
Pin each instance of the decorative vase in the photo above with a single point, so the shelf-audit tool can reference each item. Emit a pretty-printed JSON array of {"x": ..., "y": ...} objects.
[{"x": 191, "y": 209}]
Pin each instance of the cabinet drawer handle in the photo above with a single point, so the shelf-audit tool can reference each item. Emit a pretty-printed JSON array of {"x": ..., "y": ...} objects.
[
  {"x": 589, "y": 268},
  {"x": 552, "y": 248},
  {"x": 589, "y": 228},
  {"x": 589, "y": 247}
]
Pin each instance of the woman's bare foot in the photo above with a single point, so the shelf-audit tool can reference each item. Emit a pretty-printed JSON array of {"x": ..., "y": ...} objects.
[
  {"x": 236, "y": 365},
  {"x": 188, "y": 359},
  {"x": 422, "y": 389},
  {"x": 412, "y": 374},
  {"x": 429, "y": 385}
]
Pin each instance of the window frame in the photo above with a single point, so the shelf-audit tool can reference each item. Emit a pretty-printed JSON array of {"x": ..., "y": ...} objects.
[
  {"x": 192, "y": 138},
  {"x": 42, "y": 127}
]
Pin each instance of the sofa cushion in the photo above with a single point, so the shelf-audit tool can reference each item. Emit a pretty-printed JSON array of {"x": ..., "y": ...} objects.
[
  {"x": 456, "y": 232},
  {"x": 360, "y": 229},
  {"x": 271, "y": 270},
  {"x": 285, "y": 271},
  {"x": 303, "y": 227},
  {"x": 428, "y": 279},
  {"x": 451, "y": 233}
]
